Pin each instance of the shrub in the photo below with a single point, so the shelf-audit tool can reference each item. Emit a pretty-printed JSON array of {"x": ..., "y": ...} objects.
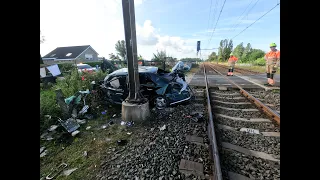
[
  {"x": 260, "y": 62},
  {"x": 93, "y": 64},
  {"x": 48, "y": 106},
  {"x": 69, "y": 86}
]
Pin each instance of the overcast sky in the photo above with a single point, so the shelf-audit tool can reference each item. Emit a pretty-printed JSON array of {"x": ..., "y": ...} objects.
[{"x": 171, "y": 25}]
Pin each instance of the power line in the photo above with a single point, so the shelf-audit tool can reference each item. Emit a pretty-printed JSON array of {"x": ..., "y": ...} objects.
[
  {"x": 214, "y": 16},
  {"x": 246, "y": 14},
  {"x": 217, "y": 22},
  {"x": 209, "y": 14},
  {"x": 256, "y": 20},
  {"x": 209, "y": 17},
  {"x": 242, "y": 13}
]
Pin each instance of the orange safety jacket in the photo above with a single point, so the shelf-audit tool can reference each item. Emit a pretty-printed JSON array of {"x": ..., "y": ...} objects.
[
  {"x": 272, "y": 57},
  {"x": 233, "y": 59}
]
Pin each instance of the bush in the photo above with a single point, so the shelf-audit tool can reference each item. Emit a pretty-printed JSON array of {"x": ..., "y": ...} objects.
[
  {"x": 260, "y": 62},
  {"x": 66, "y": 68},
  {"x": 69, "y": 86},
  {"x": 93, "y": 64},
  {"x": 48, "y": 106}
]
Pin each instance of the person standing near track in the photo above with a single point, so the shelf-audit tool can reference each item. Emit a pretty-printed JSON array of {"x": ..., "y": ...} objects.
[
  {"x": 232, "y": 61},
  {"x": 272, "y": 63}
]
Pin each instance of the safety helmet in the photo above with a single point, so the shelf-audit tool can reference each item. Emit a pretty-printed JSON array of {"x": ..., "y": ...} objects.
[{"x": 273, "y": 45}]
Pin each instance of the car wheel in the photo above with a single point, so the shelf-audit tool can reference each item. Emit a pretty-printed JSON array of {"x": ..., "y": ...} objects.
[{"x": 160, "y": 102}]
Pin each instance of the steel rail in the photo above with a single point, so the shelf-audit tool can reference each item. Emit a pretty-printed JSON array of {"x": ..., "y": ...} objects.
[{"x": 217, "y": 173}]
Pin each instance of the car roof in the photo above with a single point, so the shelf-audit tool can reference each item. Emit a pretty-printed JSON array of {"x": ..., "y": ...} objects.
[
  {"x": 142, "y": 69},
  {"x": 124, "y": 71},
  {"x": 82, "y": 64}
]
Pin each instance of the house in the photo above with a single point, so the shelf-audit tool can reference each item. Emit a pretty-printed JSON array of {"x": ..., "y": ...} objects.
[{"x": 71, "y": 54}]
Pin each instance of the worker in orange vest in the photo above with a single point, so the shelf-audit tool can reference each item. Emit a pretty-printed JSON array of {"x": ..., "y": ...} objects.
[
  {"x": 272, "y": 63},
  {"x": 232, "y": 61}
]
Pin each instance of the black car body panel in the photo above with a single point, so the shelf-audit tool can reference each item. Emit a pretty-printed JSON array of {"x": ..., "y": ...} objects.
[{"x": 152, "y": 85}]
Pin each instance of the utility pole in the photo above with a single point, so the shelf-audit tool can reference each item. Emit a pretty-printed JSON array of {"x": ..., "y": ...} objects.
[{"x": 135, "y": 107}]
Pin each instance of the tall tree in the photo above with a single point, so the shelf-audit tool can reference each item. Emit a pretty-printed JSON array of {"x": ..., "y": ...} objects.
[
  {"x": 121, "y": 49},
  {"x": 225, "y": 49},
  {"x": 238, "y": 51},
  {"x": 228, "y": 49},
  {"x": 159, "y": 56},
  {"x": 246, "y": 53},
  {"x": 114, "y": 57}
]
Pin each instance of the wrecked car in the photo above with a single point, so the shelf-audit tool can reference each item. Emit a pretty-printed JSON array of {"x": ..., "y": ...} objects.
[{"x": 160, "y": 91}]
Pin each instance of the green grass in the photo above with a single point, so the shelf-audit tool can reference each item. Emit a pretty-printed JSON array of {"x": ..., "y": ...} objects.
[
  {"x": 261, "y": 69},
  {"x": 73, "y": 154}
]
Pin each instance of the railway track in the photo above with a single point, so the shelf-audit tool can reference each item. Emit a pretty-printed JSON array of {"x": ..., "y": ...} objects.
[
  {"x": 244, "y": 132},
  {"x": 173, "y": 145}
]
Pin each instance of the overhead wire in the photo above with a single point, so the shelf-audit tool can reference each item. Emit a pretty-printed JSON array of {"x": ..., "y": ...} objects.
[
  {"x": 246, "y": 15},
  {"x": 216, "y": 22},
  {"x": 256, "y": 20}
]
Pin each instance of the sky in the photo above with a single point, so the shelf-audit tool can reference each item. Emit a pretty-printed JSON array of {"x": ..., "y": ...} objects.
[{"x": 171, "y": 25}]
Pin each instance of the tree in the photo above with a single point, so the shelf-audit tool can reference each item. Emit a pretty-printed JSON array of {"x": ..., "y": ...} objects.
[
  {"x": 225, "y": 49},
  {"x": 255, "y": 54},
  {"x": 114, "y": 57},
  {"x": 121, "y": 49},
  {"x": 140, "y": 58},
  {"x": 246, "y": 53},
  {"x": 41, "y": 38},
  {"x": 160, "y": 56},
  {"x": 238, "y": 51},
  {"x": 190, "y": 59},
  {"x": 213, "y": 56},
  {"x": 228, "y": 49}
]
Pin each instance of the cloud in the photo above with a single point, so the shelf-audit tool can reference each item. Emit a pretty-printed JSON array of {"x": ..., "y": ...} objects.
[
  {"x": 138, "y": 2},
  {"x": 146, "y": 34}
]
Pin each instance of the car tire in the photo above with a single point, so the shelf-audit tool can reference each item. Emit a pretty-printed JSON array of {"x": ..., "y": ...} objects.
[{"x": 160, "y": 102}]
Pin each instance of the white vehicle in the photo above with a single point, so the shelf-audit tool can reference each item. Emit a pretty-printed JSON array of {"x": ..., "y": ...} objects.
[{"x": 86, "y": 68}]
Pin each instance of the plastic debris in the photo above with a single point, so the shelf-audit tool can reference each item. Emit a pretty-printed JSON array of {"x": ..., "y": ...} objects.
[
  {"x": 69, "y": 171},
  {"x": 52, "y": 128},
  {"x": 89, "y": 127},
  {"x": 57, "y": 171},
  {"x": 130, "y": 123},
  {"x": 162, "y": 128},
  {"x": 114, "y": 115},
  {"x": 81, "y": 121},
  {"x": 85, "y": 153},
  {"x": 129, "y": 133},
  {"x": 75, "y": 132},
  {"x": 123, "y": 123},
  {"x": 43, "y": 153},
  {"x": 104, "y": 112},
  {"x": 42, "y": 149}
]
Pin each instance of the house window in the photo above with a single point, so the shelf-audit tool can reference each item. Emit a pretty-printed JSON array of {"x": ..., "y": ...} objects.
[
  {"x": 69, "y": 54},
  {"x": 88, "y": 56}
]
